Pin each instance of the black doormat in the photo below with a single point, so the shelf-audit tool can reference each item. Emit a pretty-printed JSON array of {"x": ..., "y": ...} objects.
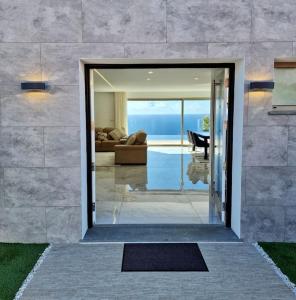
[{"x": 178, "y": 257}]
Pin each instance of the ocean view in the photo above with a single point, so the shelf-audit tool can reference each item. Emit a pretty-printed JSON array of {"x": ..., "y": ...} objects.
[{"x": 162, "y": 127}]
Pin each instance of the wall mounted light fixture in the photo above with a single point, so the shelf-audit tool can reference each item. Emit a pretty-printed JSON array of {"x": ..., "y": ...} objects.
[
  {"x": 261, "y": 85},
  {"x": 34, "y": 85}
]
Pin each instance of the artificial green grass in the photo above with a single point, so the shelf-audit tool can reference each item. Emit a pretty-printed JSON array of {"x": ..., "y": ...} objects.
[
  {"x": 284, "y": 256},
  {"x": 16, "y": 262}
]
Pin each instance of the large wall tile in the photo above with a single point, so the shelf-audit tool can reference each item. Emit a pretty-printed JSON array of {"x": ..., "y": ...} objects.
[
  {"x": 40, "y": 21},
  {"x": 261, "y": 64},
  {"x": 271, "y": 186},
  {"x": 261, "y": 67},
  {"x": 274, "y": 20},
  {"x": 62, "y": 146},
  {"x": 294, "y": 48},
  {"x": 172, "y": 50},
  {"x": 21, "y": 147},
  {"x": 229, "y": 50},
  {"x": 63, "y": 224},
  {"x": 208, "y": 21},
  {"x": 292, "y": 146},
  {"x": 1, "y": 187},
  {"x": 23, "y": 225},
  {"x": 28, "y": 187},
  {"x": 60, "y": 62},
  {"x": 266, "y": 146},
  {"x": 290, "y": 225},
  {"x": 292, "y": 120},
  {"x": 260, "y": 103},
  {"x": 57, "y": 107},
  {"x": 18, "y": 62},
  {"x": 124, "y": 21},
  {"x": 263, "y": 223}
]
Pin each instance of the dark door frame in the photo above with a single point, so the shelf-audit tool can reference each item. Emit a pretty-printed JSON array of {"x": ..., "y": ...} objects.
[{"x": 229, "y": 146}]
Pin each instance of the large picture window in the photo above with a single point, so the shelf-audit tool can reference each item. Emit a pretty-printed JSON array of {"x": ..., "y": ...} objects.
[
  {"x": 284, "y": 93},
  {"x": 166, "y": 121}
]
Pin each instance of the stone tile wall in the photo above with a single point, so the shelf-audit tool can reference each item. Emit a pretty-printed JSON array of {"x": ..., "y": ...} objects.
[{"x": 40, "y": 133}]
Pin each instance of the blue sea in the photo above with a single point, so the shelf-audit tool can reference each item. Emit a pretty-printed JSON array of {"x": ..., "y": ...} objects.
[{"x": 165, "y": 127}]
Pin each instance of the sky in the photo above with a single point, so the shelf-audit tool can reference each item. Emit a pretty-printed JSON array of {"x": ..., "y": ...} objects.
[{"x": 171, "y": 107}]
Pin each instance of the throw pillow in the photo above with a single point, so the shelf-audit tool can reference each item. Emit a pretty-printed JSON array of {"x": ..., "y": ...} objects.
[
  {"x": 108, "y": 129},
  {"x": 140, "y": 137},
  {"x": 101, "y": 136},
  {"x": 131, "y": 139},
  {"x": 98, "y": 129},
  {"x": 116, "y": 134}
]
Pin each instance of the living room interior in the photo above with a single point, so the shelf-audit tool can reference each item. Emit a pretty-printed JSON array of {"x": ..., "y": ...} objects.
[{"x": 152, "y": 146}]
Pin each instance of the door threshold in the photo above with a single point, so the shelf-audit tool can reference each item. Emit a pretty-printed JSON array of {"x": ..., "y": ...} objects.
[{"x": 166, "y": 233}]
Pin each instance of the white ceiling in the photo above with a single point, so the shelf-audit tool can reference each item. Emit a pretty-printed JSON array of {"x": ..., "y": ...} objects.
[{"x": 161, "y": 80}]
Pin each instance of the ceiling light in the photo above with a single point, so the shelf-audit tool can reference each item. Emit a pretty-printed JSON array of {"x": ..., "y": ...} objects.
[
  {"x": 148, "y": 79},
  {"x": 150, "y": 72},
  {"x": 196, "y": 78}
]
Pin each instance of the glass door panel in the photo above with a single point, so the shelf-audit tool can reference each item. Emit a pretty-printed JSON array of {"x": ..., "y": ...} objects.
[
  {"x": 218, "y": 141},
  {"x": 196, "y": 117}
]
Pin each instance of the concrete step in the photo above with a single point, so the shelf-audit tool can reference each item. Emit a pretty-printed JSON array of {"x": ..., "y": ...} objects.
[{"x": 160, "y": 233}]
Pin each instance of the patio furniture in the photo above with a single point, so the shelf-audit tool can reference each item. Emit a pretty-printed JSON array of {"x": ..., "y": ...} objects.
[
  {"x": 200, "y": 140},
  {"x": 189, "y": 136}
]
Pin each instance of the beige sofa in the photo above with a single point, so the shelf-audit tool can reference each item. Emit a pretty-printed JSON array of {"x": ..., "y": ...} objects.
[
  {"x": 134, "y": 151},
  {"x": 108, "y": 144},
  {"x": 130, "y": 154},
  {"x": 128, "y": 150}
]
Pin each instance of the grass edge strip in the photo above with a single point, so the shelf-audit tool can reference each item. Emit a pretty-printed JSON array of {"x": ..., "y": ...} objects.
[
  {"x": 277, "y": 270},
  {"x": 31, "y": 274}
]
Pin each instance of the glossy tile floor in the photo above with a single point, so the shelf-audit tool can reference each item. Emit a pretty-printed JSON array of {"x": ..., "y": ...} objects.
[{"x": 171, "y": 189}]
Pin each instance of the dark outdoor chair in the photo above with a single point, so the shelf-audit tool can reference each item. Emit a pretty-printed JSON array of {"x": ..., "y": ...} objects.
[
  {"x": 189, "y": 136},
  {"x": 200, "y": 140}
]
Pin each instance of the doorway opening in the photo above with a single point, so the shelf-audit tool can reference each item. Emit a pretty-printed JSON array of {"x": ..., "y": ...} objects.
[{"x": 159, "y": 143}]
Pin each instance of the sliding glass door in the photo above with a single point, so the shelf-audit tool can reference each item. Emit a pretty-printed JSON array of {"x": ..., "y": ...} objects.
[
  {"x": 196, "y": 117},
  {"x": 166, "y": 121}
]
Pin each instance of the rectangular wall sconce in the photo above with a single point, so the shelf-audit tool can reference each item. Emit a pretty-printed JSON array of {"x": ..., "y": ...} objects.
[
  {"x": 261, "y": 85},
  {"x": 34, "y": 85}
]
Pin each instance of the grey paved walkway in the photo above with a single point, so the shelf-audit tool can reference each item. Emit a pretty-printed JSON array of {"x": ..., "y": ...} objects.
[{"x": 236, "y": 271}]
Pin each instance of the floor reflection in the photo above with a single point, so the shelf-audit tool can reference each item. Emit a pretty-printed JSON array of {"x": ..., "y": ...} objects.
[
  {"x": 172, "y": 188},
  {"x": 176, "y": 168}
]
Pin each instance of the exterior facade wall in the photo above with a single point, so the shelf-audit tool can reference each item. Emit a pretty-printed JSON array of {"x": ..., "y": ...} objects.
[{"x": 40, "y": 195}]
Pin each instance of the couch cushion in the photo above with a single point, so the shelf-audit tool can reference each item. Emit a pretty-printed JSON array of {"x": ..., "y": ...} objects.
[
  {"x": 140, "y": 137},
  {"x": 131, "y": 139},
  {"x": 101, "y": 136},
  {"x": 110, "y": 142},
  {"x": 98, "y": 129},
  {"x": 116, "y": 134}
]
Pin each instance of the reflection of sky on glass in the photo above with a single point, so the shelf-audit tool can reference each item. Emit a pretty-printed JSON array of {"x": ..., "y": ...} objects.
[{"x": 167, "y": 107}]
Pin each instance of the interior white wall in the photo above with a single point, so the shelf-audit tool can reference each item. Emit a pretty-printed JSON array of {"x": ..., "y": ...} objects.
[
  {"x": 104, "y": 109},
  {"x": 237, "y": 147}
]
